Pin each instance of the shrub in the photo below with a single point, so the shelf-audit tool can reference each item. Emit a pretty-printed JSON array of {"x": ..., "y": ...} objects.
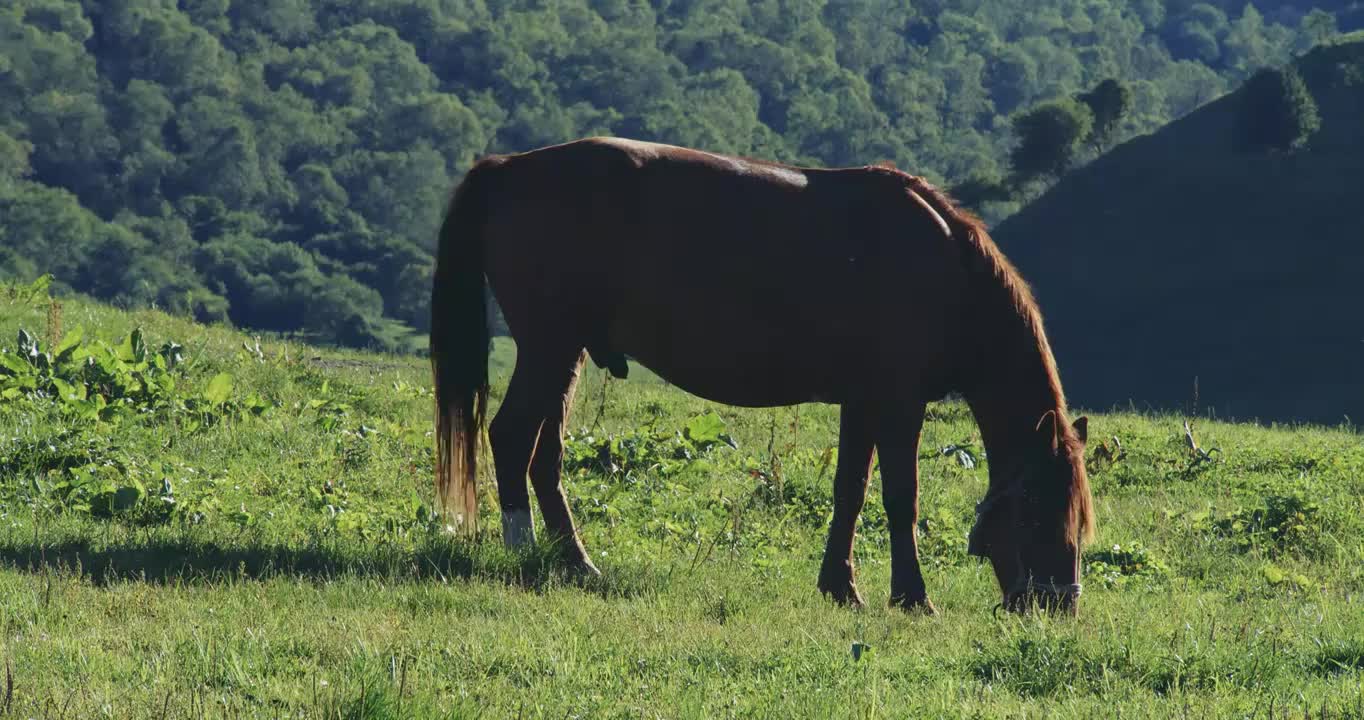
[
  {"x": 1049, "y": 137},
  {"x": 1109, "y": 102},
  {"x": 1277, "y": 111}
]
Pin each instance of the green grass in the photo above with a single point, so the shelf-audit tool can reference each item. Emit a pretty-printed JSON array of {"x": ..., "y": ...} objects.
[{"x": 300, "y": 574}]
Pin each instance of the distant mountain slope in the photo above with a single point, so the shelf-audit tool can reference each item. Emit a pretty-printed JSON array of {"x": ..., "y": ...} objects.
[{"x": 1182, "y": 255}]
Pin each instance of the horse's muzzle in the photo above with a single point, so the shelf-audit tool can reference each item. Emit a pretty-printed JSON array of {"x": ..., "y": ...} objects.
[{"x": 1060, "y": 601}]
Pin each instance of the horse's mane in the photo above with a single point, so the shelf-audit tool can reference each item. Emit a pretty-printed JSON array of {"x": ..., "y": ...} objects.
[{"x": 986, "y": 259}]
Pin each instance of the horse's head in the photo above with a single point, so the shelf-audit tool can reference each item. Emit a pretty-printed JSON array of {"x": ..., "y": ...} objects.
[{"x": 1037, "y": 514}]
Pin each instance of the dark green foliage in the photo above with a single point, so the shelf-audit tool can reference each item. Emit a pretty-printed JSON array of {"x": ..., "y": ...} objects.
[
  {"x": 1108, "y": 102},
  {"x": 322, "y": 137},
  {"x": 982, "y": 188},
  {"x": 1277, "y": 111},
  {"x": 1319, "y": 26},
  {"x": 1341, "y": 658},
  {"x": 1049, "y": 137}
]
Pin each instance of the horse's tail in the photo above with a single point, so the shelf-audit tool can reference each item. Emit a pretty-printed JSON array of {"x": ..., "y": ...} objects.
[{"x": 459, "y": 348}]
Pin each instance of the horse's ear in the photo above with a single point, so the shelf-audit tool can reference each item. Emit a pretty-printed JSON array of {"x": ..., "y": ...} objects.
[
  {"x": 1081, "y": 426},
  {"x": 1047, "y": 428}
]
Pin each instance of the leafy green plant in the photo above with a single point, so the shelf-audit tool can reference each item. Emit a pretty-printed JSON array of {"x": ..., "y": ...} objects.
[
  {"x": 1280, "y": 523},
  {"x": 33, "y": 293},
  {"x": 630, "y": 455},
  {"x": 87, "y": 474},
  {"x": 1278, "y": 577},
  {"x": 330, "y": 413},
  {"x": 705, "y": 432},
  {"x": 1106, "y": 454},
  {"x": 1121, "y": 566},
  {"x": 805, "y": 500},
  {"x": 96, "y": 382},
  {"x": 942, "y": 538},
  {"x": 1340, "y": 657}
]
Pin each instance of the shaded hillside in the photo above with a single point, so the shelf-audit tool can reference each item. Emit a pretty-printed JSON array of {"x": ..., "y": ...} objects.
[{"x": 1184, "y": 255}]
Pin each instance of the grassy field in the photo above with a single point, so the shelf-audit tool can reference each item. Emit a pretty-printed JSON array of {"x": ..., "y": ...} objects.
[{"x": 252, "y": 537}]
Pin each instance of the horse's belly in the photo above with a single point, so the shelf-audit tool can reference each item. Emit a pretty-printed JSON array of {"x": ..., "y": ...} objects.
[
  {"x": 740, "y": 386},
  {"x": 731, "y": 361}
]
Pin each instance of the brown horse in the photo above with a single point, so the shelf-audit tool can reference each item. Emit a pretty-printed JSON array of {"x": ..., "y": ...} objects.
[{"x": 756, "y": 284}]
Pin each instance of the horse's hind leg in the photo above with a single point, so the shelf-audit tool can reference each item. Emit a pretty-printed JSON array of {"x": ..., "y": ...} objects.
[
  {"x": 546, "y": 473},
  {"x": 513, "y": 434},
  {"x": 529, "y": 425},
  {"x": 850, "y": 493}
]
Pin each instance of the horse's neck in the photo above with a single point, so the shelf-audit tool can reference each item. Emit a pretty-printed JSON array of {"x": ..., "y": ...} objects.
[
  {"x": 1014, "y": 389},
  {"x": 1007, "y": 425}
]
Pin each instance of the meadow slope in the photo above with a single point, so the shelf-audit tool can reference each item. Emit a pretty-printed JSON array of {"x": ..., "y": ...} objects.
[{"x": 253, "y": 538}]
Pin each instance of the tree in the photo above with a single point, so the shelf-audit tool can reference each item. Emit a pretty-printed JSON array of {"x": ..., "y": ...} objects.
[
  {"x": 1247, "y": 44},
  {"x": 13, "y": 160},
  {"x": 1012, "y": 78},
  {"x": 1196, "y": 34},
  {"x": 71, "y": 140},
  {"x": 1049, "y": 136},
  {"x": 981, "y": 188},
  {"x": 1277, "y": 111},
  {"x": 1108, "y": 102},
  {"x": 48, "y": 227},
  {"x": 1317, "y": 27}
]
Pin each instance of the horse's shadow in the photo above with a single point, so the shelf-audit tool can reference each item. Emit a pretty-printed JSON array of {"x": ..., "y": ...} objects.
[{"x": 180, "y": 561}]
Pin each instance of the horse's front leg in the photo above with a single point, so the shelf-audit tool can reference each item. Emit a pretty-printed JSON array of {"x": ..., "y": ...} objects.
[
  {"x": 850, "y": 493},
  {"x": 898, "y": 447}
]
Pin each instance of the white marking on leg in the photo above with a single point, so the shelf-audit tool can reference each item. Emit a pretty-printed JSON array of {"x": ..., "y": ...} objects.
[{"x": 517, "y": 528}]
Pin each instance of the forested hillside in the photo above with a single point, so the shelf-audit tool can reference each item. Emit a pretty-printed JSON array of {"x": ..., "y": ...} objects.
[{"x": 283, "y": 165}]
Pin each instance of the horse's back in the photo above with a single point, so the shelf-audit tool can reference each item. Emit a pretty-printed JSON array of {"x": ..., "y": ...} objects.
[{"x": 744, "y": 281}]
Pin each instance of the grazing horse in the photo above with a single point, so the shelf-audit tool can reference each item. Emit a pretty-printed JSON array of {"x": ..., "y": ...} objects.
[{"x": 756, "y": 284}]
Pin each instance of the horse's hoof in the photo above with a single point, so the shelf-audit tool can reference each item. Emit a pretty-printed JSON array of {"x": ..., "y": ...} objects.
[
  {"x": 580, "y": 567},
  {"x": 586, "y": 569},
  {"x": 843, "y": 592},
  {"x": 517, "y": 529},
  {"x": 921, "y": 606},
  {"x": 846, "y": 597}
]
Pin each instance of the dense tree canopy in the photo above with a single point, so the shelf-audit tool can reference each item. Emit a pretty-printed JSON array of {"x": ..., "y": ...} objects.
[
  {"x": 1278, "y": 112},
  {"x": 1049, "y": 138},
  {"x": 283, "y": 165}
]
